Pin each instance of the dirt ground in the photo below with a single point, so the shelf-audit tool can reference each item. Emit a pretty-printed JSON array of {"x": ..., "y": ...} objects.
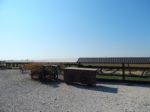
[{"x": 18, "y": 93}]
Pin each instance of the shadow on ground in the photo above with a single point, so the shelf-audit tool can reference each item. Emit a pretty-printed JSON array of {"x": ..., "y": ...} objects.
[
  {"x": 100, "y": 88},
  {"x": 52, "y": 83},
  {"x": 126, "y": 84}
]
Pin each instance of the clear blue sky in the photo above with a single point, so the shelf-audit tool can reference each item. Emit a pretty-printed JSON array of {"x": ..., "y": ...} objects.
[{"x": 45, "y": 29}]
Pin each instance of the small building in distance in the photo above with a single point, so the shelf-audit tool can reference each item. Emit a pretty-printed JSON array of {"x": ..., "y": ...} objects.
[
  {"x": 2, "y": 64},
  {"x": 12, "y": 64}
]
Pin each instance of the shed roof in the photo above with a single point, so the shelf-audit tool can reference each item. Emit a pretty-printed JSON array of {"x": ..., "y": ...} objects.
[
  {"x": 115, "y": 60},
  {"x": 16, "y": 61}
]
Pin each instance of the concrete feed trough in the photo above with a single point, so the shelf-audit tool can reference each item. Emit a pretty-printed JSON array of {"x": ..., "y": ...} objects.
[{"x": 80, "y": 75}]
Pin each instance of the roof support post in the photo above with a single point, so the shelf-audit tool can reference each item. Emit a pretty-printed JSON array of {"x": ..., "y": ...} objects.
[
  {"x": 123, "y": 72},
  {"x": 129, "y": 69}
]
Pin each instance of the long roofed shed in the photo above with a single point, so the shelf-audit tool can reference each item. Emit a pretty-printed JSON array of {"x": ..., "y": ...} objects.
[{"x": 115, "y": 60}]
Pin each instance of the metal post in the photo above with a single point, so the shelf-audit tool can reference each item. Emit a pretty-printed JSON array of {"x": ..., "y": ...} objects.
[
  {"x": 123, "y": 72},
  {"x": 129, "y": 69}
]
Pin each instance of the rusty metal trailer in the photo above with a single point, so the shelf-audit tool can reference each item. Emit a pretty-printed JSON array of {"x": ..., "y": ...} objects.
[{"x": 80, "y": 75}]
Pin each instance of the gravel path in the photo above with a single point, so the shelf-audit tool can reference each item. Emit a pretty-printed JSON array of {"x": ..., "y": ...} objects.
[{"x": 20, "y": 94}]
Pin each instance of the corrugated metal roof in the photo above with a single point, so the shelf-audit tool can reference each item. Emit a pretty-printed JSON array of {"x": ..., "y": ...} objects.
[
  {"x": 116, "y": 60},
  {"x": 17, "y": 61}
]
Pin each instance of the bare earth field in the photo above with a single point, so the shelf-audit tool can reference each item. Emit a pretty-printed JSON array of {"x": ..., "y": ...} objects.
[{"x": 18, "y": 93}]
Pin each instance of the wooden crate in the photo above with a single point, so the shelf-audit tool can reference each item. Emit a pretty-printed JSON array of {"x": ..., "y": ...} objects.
[{"x": 80, "y": 75}]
